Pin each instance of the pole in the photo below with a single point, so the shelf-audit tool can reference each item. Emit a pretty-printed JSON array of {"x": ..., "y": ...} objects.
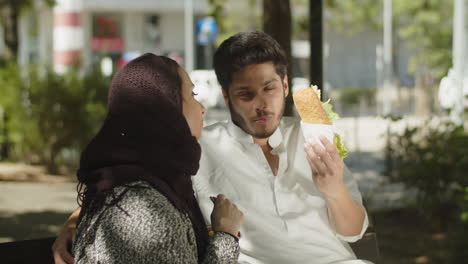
[
  {"x": 459, "y": 59},
  {"x": 316, "y": 44},
  {"x": 189, "y": 52},
  {"x": 387, "y": 57}
]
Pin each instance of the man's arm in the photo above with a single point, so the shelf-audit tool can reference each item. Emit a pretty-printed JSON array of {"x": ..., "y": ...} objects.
[
  {"x": 346, "y": 215},
  {"x": 64, "y": 240}
]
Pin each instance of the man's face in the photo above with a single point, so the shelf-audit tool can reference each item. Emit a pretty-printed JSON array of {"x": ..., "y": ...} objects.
[{"x": 256, "y": 99}]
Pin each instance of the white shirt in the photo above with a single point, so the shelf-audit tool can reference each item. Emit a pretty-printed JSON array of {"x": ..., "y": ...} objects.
[{"x": 285, "y": 216}]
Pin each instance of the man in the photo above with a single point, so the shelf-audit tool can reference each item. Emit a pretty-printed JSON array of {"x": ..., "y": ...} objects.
[{"x": 299, "y": 205}]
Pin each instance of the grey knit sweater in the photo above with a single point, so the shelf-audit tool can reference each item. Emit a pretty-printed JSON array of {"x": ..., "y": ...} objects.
[{"x": 151, "y": 231}]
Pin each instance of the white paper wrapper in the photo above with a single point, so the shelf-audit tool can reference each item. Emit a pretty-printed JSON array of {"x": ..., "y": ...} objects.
[{"x": 312, "y": 132}]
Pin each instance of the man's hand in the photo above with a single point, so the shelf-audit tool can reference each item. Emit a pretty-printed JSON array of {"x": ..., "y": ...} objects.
[
  {"x": 346, "y": 215},
  {"x": 327, "y": 168},
  {"x": 64, "y": 239}
]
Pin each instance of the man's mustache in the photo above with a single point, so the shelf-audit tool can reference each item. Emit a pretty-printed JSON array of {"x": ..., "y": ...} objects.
[{"x": 263, "y": 114}]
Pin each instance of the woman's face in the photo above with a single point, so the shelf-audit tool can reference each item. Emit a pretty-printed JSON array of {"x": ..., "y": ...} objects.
[{"x": 192, "y": 109}]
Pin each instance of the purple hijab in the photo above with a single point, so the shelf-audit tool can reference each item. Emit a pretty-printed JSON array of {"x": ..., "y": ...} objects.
[{"x": 144, "y": 137}]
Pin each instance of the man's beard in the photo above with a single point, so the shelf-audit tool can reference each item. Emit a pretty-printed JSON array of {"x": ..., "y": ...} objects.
[{"x": 242, "y": 124}]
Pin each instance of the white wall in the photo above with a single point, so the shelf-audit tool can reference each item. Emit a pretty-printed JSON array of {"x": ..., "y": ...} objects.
[
  {"x": 133, "y": 31},
  {"x": 172, "y": 30},
  {"x": 45, "y": 41},
  {"x": 143, "y": 5}
]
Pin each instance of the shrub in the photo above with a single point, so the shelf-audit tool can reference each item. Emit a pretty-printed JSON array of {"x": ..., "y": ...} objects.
[
  {"x": 433, "y": 159},
  {"x": 353, "y": 95},
  {"x": 52, "y": 116},
  {"x": 67, "y": 111}
]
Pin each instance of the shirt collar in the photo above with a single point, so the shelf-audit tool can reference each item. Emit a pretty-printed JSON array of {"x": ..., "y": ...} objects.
[{"x": 237, "y": 133}]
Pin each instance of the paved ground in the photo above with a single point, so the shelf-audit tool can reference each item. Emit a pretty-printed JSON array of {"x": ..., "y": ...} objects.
[{"x": 32, "y": 210}]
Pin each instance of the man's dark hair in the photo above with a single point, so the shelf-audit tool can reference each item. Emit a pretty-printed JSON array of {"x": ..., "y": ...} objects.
[{"x": 247, "y": 48}]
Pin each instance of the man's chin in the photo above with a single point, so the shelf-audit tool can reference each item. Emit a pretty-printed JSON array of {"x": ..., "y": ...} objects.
[
  {"x": 262, "y": 132},
  {"x": 262, "y": 135}
]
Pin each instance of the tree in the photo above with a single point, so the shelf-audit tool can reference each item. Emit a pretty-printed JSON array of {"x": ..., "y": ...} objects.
[
  {"x": 277, "y": 23},
  {"x": 10, "y": 11},
  {"x": 427, "y": 28},
  {"x": 11, "y": 91},
  {"x": 64, "y": 113},
  {"x": 237, "y": 19}
]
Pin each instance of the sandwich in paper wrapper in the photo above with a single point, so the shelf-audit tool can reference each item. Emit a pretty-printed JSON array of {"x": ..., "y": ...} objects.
[{"x": 317, "y": 118}]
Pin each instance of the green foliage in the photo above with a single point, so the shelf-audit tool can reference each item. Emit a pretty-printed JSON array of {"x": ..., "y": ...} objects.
[
  {"x": 458, "y": 252},
  {"x": 231, "y": 16},
  {"x": 67, "y": 110},
  {"x": 433, "y": 159},
  {"x": 54, "y": 115},
  {"x": 353, "y": 16},
  {"x": 424, "y": 25},
  {"x": 352, "y": 96},
  {"x": 464, "y": 214},
  {"x": 12, "y": 93}
]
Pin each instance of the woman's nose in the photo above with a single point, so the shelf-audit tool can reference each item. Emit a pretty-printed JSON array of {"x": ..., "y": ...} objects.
[{"x": 203, "y": 109}]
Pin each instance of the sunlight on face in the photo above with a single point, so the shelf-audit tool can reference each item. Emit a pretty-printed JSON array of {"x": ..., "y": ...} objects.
[
  {"x": 256, "y": 99},
  {"x": 193, "y": 111}
]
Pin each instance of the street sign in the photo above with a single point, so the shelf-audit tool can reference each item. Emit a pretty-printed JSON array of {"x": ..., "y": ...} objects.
[{"x": 207, "y": 30}]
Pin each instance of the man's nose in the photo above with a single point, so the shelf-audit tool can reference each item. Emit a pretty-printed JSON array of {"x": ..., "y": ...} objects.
[{"x": 260, "y": 102}]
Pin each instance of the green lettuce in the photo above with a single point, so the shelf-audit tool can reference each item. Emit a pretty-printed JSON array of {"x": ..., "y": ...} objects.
[
  {"x": 329, "y": 109},
  {"x": 342, "y": 150}
]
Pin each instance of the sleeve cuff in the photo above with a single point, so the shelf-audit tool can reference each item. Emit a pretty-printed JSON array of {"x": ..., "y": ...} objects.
[
  {"x": 355, "y": 238},
  {"x": 235, "y": 238}
]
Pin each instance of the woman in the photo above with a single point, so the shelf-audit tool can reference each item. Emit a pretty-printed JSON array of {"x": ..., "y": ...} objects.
[{"x": 138, "y": 205}]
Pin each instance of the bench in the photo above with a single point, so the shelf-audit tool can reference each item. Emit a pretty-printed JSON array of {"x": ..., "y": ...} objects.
[{"x": 39, "y": 250}]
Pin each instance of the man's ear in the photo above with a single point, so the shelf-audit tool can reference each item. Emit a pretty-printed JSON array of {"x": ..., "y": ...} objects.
[
  {"x": 286, "y": 86},
  {"x": 226, "y": 97}
]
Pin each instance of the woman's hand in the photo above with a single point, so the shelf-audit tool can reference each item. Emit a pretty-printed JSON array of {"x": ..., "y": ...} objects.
[
  {"x": 226, "y": 217},
  {"x": 64, "y": 239}
]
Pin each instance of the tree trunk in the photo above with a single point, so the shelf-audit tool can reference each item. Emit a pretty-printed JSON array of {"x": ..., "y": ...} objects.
[
  {"x": 277, "y": 23},
  {"x": 316, "y": 45},
  {"x": 5, "y": 154},
  {"x": 10, "y": 19},
  {"x": 422, "y": 99},
  {"x": 51, "y": 165}
]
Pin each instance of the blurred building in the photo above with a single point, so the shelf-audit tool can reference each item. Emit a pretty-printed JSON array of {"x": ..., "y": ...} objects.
[
  {"x": 91, "y": 30},
  {"x": 352, "y": 60}
]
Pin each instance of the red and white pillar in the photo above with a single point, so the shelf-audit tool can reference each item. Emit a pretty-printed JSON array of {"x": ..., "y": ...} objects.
[{"x": 68, "y": 34}]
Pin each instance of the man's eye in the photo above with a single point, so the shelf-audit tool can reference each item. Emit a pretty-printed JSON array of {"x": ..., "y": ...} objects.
[{"x": 194, "y": 94}]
